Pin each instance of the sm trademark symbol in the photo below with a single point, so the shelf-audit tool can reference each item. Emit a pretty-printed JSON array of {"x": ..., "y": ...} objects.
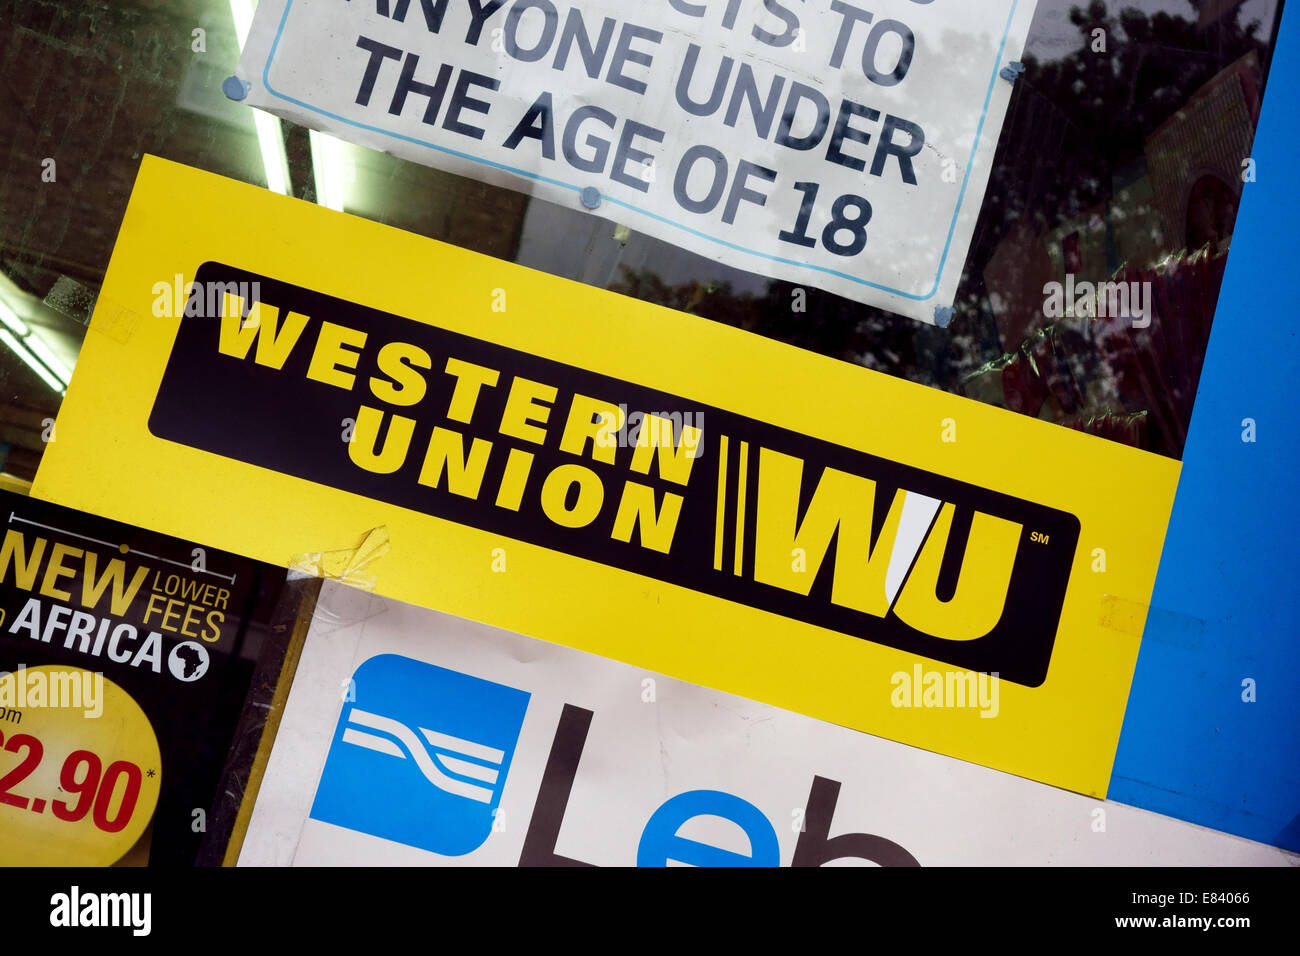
[{"x": 1038, "y": 537}]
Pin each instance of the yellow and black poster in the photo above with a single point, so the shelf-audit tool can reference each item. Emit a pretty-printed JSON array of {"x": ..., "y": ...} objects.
[
  {"x": 127, "y": 659},
  {"x": 599, "y": 472}
]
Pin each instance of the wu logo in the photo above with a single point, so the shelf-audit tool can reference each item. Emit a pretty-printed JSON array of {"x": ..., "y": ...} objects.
[{"x": 421, "y": 756}]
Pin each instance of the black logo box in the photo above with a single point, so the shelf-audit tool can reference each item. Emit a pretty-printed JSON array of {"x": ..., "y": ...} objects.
[{"x": 285, "y": 422}]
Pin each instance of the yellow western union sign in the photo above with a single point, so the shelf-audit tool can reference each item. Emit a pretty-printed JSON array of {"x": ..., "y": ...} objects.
[{"x": 274, "y": 378}]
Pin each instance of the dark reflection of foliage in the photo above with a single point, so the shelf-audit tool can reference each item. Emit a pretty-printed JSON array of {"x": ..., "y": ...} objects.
[
  {"x": 1153, "y": 64},
  {"x": 1072, "y": 125}
]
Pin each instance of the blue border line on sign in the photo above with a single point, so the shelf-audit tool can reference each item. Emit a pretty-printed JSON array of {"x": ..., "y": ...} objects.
[{"x": 952, "y": 229}]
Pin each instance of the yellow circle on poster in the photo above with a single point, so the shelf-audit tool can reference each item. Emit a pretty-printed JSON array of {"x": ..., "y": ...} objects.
[{"x": 80, "y": 768}]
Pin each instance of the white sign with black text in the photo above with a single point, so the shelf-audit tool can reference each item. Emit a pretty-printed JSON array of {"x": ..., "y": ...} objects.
[
  {"x": 412, "y": 737},
  {"x": 845, "y": 144}
]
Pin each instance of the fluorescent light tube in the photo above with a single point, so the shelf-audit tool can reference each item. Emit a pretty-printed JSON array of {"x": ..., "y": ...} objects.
[
  {"x": 33, "y": 363},
  {"x": 269, "y": 139},
  {"x": 327, "y": 165},
  {"x": 10, "y": 318},
  {"x": 46, "y": 355},
  {"x": 242, "y": 11}
]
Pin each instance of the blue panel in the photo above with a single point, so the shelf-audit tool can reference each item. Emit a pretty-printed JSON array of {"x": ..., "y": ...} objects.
[{"x": 1227, "y": 598}]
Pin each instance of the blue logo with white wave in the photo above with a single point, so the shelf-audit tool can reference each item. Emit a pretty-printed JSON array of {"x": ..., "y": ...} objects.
[{"x": 421, "y": 755}]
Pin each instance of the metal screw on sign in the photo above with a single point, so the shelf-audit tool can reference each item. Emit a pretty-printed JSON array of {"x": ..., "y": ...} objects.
[{"x": 591, "y": 197}]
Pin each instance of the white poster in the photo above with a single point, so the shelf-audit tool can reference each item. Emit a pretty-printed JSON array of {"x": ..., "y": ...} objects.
[
  {"x": 845, "y": 145},
  {"x": 414, "y": 738}
]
